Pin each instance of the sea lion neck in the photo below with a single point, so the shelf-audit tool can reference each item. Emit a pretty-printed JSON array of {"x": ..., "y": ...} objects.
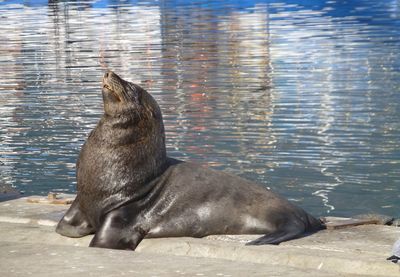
[
  {"x": 146, "y": 137},
  {"x": 136, "y": 155}
]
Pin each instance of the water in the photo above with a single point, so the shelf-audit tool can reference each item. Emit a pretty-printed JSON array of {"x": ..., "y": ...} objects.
[{"x": 303, "y": 98}]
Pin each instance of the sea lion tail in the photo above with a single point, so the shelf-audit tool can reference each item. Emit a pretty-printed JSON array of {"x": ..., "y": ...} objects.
[{"x": 315, "y": 224}]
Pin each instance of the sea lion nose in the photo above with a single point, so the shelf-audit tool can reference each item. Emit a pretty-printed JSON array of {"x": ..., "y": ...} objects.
[{"x": 107, "y": 76}]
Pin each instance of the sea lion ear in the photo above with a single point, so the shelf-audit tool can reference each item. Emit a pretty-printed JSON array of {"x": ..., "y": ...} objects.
[{"x": 151, "y": 113}]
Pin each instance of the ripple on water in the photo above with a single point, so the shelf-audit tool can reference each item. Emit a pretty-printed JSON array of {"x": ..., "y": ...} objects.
[{"x": 301, "y": 98}]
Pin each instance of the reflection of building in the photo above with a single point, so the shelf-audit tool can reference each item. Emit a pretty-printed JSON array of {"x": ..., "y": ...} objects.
[
  {"x": 218, "y": 70},
  {"x": 246, "y": 67}
]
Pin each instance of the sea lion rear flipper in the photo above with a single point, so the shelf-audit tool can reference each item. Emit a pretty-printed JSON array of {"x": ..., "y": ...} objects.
[
  {"x": 275, "y": 238},
  {"x": 74, "y": 223},
  {"x": 393, "y": 259},
  {"x": 116, "y": 232}
]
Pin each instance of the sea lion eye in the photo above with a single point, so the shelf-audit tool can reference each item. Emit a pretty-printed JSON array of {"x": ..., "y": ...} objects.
[{"x": 135, "y": 93}]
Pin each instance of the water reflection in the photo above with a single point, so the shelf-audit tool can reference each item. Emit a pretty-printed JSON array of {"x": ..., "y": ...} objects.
[{"x": 303, "y": 98}]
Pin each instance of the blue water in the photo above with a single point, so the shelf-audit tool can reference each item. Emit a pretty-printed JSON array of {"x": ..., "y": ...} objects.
[{"x": 299, "y": 96}]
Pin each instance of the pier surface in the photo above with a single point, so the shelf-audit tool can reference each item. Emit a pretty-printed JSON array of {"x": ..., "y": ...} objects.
[{"x": 29, "y": 246}]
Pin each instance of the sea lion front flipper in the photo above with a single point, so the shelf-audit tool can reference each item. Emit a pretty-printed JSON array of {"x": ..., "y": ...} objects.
[
  {"x": 74, "y": 223},
  {"x": 117, "y": 232}
]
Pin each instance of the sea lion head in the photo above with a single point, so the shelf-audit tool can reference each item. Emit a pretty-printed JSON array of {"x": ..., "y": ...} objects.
[
  {"x": 133, "y": 114},
  {"x": 122, "y": 98}
]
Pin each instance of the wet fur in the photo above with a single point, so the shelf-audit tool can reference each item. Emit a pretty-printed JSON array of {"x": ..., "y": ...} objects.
[{"x": 128, "y": 188}]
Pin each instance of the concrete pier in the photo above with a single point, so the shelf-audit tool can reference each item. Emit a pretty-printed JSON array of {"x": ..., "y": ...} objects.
[{"x": 29, "y": 246}]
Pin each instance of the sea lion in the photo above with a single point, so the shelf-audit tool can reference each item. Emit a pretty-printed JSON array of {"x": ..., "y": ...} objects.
[{"x": 129, "y": 189}]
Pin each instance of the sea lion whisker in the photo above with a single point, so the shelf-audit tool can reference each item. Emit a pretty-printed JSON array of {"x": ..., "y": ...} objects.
[
  {"x": 137, "y": 112},
  {"x": 124, "y": 96}
]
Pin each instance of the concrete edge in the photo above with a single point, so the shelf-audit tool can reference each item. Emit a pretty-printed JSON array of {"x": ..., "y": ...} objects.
[{"x": 269, "y": 254}]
